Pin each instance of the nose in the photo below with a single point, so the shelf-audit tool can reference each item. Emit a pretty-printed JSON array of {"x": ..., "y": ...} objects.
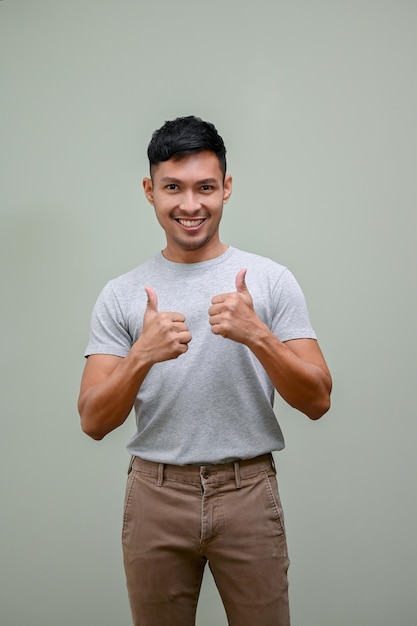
[{"x": 189, "y": 202}]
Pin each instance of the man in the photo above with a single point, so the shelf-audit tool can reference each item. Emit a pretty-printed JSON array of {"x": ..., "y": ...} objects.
[{"x": 196, "y": 339}]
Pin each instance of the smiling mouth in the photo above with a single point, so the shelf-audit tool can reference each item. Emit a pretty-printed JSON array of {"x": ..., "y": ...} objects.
[{"x": 190, "y": 223}]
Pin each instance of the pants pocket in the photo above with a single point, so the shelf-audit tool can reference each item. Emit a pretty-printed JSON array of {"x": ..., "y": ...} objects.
[
  {"x": 275, "y": 500},
  {"x": 130, "y": 483}
]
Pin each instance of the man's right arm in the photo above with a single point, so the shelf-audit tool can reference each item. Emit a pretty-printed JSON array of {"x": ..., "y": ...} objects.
[
  {"x": 108, "y": 390},
  {"x": 110, "y": 383}
]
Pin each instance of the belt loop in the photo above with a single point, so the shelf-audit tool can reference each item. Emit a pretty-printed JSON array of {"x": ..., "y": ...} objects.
[
  {"x": 160, "y": 474},
  {"x": 273, "y": 462},
  {"x": 237, "y": 474},
  {"x": 129, "y": 469}
]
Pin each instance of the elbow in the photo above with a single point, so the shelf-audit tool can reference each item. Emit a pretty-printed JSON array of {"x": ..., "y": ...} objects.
[
  {"x": 91, "y": 430},
  {"x": 316, "y": 411},
  {"x": 89, "y": 425},
  {"x": 93, "y": 433},
  {"x": 322, "y": 403}
]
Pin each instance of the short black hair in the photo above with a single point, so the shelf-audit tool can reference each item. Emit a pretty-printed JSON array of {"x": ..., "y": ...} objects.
[{"x": 182, "y": 136}]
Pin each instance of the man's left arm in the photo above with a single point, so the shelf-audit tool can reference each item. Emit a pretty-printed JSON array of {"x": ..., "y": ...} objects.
[{"x": 296, "y": 368}]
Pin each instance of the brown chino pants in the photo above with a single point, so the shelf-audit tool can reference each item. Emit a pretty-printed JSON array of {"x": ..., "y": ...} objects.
[{"x": 176, "y": 518}]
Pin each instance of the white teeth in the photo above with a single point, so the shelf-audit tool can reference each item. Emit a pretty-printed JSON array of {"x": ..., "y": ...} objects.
[{"x": 190, "y": 223}]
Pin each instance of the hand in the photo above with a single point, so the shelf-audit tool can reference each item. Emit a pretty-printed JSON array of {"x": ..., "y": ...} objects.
[
  {"x": 232, "y": 314},
  {"x": 165, "y": 335}
]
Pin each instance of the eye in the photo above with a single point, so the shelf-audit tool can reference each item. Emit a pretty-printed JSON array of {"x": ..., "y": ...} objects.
[
  {"x": 206, "y": 187},
  {"x": 171, "y": 187}
]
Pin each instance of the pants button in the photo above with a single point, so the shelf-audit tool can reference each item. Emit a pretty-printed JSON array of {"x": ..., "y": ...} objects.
[{"x": 206, "y": 474}]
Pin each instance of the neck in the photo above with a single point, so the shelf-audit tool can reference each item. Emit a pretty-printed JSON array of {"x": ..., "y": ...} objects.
[{"x": 194, "y": 256}]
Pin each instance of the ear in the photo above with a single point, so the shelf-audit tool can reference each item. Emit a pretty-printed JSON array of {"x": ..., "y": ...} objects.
[
  {"x": 148, "y": 189},
  {"x": 227, "y": 188}
]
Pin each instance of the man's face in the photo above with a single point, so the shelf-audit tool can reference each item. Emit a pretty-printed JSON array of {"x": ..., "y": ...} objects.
[{"x": 188, "y": 197}]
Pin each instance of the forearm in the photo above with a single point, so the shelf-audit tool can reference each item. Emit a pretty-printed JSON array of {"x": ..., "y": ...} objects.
[
  {"x": 106, "y": 404},
  {"x": 304, "y": 384}
]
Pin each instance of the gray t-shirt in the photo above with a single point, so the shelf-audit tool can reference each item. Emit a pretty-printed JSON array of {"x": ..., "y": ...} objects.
[{"x": 214, "y": 403}]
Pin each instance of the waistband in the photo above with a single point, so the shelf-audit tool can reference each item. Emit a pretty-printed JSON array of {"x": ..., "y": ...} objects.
[{"x": 223, "y": 472}]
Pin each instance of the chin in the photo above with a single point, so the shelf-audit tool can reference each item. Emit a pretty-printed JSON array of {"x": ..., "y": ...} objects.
[{"x": 193, "y": 245}]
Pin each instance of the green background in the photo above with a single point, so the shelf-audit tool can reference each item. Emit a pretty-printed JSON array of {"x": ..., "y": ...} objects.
[{"x": 317, "y": 104}]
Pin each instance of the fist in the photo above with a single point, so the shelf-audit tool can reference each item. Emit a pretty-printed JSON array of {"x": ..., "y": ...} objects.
[
  {"x": 232, "y": 315},
  {"x": 165, "y": 335}
]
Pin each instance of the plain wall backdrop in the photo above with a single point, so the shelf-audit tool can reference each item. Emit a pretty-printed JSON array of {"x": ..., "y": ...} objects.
[{"x": 317, "y": 104}]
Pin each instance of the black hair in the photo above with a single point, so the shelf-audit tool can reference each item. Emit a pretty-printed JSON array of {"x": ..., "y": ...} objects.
[{"x": 185, "y": 135}]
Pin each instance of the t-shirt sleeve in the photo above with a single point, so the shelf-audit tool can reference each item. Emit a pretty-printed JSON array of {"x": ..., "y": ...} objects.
[
  {"x": 290, "y": 318},
  {"x": 108, "y": 329}
]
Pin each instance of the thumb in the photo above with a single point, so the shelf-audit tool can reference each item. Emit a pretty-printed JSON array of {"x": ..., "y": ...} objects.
[
  {"x": 152, "y": 304},
  {"x": 240, "y": 282}
]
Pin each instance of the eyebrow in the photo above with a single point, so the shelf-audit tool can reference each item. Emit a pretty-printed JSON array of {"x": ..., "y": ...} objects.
[{"x": 204, "y": 181}]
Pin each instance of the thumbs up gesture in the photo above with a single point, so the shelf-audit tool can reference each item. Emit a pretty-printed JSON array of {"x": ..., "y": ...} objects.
[
  {"x": 232, "y": 314},
  {"x": 165, "y": 335}
]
